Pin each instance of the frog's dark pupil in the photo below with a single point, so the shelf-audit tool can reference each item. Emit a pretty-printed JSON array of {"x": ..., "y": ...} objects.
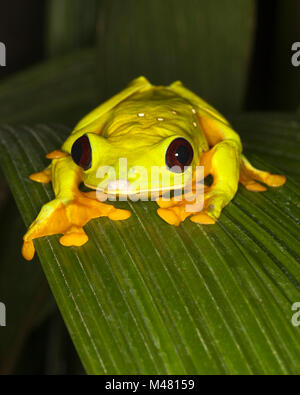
[
  {"x": 82, "y": 153},
  {"x": 76, "y": 152},
  {"x": 183, "y": 155},
  {"x": 179, "y": 154}
]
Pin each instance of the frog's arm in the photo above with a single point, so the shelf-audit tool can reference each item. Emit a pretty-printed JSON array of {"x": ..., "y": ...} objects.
[
  {"x": 69, "y": 211},
  {"x": 224, "y": 161}
]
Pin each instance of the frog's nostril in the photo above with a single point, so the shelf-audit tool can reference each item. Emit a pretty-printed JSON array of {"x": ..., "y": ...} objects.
[{"x": 82, "y": 152}]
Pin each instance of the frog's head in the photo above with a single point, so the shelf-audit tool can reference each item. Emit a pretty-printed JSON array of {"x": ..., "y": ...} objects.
[{"x": 137, "y": 161}]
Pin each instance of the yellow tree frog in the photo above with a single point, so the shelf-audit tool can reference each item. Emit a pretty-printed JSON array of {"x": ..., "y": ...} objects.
[{"x": 149, "y": 126}]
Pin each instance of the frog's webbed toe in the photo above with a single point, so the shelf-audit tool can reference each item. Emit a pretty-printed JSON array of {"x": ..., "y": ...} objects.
[
  {"x": 68, "y": 218},
  {"x": 214, "y": 201},
  {"x": 43, "y": 177},
  {"x": 174, "y": 212},
  {"x": 203, "y": 218},
  {"x": 249, "y": 176},
  {"x": 173, "y": 215},
  {"x": 75, "y": 236}
]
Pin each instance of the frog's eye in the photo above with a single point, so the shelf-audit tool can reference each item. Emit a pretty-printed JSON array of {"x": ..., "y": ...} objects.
[
  {"x": 82, "y": 152},
  {"x": 179, "y": 153}
]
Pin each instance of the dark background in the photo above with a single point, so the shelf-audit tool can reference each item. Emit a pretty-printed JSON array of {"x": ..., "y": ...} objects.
[
  {"x": 273, "y": 84},
  {"x": 37, "y": 34}
]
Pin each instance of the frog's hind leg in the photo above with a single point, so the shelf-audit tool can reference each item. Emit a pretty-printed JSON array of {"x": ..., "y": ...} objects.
[
  {"x": 249, "y": 176},
  {"x": 44, "y": 177}
]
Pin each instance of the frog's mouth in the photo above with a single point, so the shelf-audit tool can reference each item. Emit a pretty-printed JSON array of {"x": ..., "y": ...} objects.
[{"x": 125, "y": 188}]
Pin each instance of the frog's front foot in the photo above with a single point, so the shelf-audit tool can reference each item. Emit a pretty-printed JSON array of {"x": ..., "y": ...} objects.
[
  {"x": 172, "y": 212},
  {"x": 68, "y": 218},
  {"x": 175, "y": 211},
  {"x": 206, "y": 213},
  {"x": 44, "y": 177},
  {"x": 214, "y": 201}
]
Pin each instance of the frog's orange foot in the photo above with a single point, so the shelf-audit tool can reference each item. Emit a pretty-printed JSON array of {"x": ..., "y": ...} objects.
[
  {"x": 57, "y": 154},
  {"x": 173, "y": 215},
  {"x": 28, "y": 250},
  {"x": 214, "y": 201},
  {"x": 252, "y": 185},
  {"x": 203, "y": 218},
  {"x": 174, "y": 212},
  {"x": 43, "y": 177},
  {"x": 249, "y": 176},
  {"x": 75, "y": 236},
  {"x": 271, "y": 180},
  {"x": 275, "y": 180},
  {"x": 205, "y": 213},
  {"x": 68, "y": 218}
]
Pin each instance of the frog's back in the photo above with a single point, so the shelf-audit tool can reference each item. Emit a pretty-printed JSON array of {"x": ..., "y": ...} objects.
[
  {"x": 142, "y": 109},
  {"x": 156, "y": 110}
]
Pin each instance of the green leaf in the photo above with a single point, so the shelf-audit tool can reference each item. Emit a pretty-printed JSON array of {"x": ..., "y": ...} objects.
[
  {"x": 146, "y": 297},
  {"x": 205, "y": 44}
]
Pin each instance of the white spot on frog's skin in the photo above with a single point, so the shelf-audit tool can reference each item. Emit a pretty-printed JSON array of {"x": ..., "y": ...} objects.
[
  {"x": 193, "y": 111},
  {"x": 160, "y": 119},
  {"x": 141, "y": 114},
  {"x": 174, "y": 112},
  {"x": 195, "y": 124}
]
